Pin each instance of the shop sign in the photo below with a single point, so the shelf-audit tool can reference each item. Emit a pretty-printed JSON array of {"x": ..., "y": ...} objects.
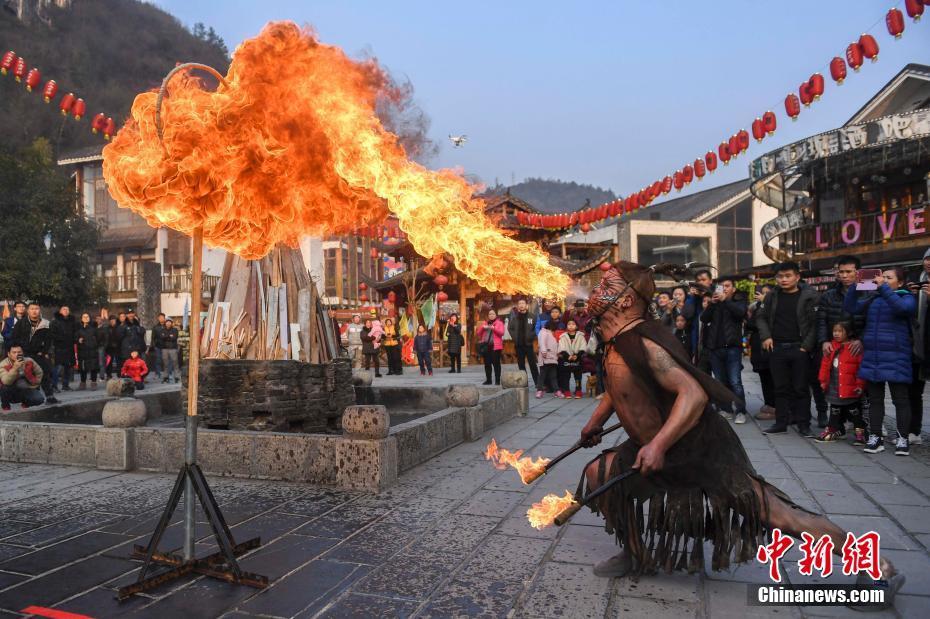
[{"x": 880, "y": 131}]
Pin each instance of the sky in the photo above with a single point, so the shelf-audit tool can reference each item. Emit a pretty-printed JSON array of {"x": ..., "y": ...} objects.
[{"x": 615, "y": 94}]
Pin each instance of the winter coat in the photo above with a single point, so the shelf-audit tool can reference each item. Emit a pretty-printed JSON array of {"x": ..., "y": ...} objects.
[
  {"x": 8, "y": 325},
  {"x": 131, "y": 337},
  {"x": 390, "y": 336},
  {"x": 454, "y": 339},
  {"x": 849, "y": 384},
  {"x": 377, "y": 332},
  {"x": 35, "y": 343},
  {"x": 569, "y": 346},
  {"x": 368, "y": 341},
  {"x": 830, "y": 311},
  {"x": 423, "y": 343},
  {"x": 807, "y": 316},
  {"x": 529, "y": 329},
  {"x": 354, "y": 332},
  {"x": 86, "y": 340},
  {"x": 548, "y": 347},
  {"x": 112, "y": 341},
  {"x": 167, "y": 339},
  {"x": 723, "y": 322},
  {"x": 758, "y": 357},
  {"x": 886, "y": 340},
  {"x": 63, "y": 330},
  {"x": 921, "y": 335},
  {"x": 157, "y": 331},
  {"x": 134, "y": 369},
  {"x": 498, "y": 333},
  {"x": 30, "y": 371}
]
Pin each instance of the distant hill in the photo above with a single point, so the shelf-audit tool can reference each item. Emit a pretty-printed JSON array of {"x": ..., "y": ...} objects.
[
  {"x": 105, "y": 51},
  {"x": 551, "y": 195}
]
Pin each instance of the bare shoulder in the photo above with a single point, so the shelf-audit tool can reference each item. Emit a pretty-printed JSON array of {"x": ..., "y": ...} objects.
[{"x": 659, "y": 359}]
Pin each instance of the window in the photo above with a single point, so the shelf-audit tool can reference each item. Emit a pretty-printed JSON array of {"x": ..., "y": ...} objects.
[
  {"x": 330, "y": 272},
  {"x": 345, "y": 272},
  {"x": 680, "y": 249},
  {"x": 734, "y": 239}
]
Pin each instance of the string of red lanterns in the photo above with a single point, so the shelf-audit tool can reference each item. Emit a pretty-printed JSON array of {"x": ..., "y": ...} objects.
[
  {"x": 69, "y": 104},
  {"x": 810, "y": 91}
]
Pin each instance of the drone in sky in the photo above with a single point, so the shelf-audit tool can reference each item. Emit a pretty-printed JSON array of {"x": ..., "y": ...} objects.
[{"x": 458, "y": 140}]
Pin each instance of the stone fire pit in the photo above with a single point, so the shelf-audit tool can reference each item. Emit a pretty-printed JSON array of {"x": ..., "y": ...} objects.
[{"x": 278, "y": 396}]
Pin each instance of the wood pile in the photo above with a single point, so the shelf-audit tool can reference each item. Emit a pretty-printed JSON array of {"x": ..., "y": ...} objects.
[{"x": 267, "y": 309}]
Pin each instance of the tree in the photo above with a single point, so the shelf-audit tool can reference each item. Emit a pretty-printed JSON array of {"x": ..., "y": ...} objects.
[{"x": 37, "y": 202}]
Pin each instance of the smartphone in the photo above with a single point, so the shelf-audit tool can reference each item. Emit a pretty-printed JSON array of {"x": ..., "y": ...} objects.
[
  {"x": 718, "y": 289},
  {"x": 864, "y": 279}
]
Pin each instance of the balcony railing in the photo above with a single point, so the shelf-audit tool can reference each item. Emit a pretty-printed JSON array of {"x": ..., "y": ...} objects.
[
  {"x": 171, "y": 282},
  {"x": 121, "y": 283}
]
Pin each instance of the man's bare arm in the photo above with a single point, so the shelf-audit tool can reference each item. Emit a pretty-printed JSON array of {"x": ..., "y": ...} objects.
[
  {"x": 688, "y": 406},
  {"x": 602, "y": 413}
]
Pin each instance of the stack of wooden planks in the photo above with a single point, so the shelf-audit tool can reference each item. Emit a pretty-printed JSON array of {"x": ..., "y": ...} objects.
[{"x": 267, "y": 309}]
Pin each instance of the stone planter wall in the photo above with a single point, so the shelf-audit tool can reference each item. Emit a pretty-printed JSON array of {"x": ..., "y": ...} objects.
[{"x": 277, "y": 396}]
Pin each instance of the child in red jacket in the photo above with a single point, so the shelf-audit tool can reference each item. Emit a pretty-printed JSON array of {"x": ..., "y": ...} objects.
[
  {"x": 135, "y": 368},
  {"x": 843, "y": 388}
]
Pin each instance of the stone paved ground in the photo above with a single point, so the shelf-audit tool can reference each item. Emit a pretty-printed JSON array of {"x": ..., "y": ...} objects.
[{"x": 451, "y": 539}]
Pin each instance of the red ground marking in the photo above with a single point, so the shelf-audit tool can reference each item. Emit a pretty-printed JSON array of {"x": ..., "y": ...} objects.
[{"x": 51, "y": 613}]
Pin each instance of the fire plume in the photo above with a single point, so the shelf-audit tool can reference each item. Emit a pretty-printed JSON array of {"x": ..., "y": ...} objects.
[
  {"x": 290, "y": 145},
  {"x": 542, "y": 514},
  {"x": 528, "y": 468}
]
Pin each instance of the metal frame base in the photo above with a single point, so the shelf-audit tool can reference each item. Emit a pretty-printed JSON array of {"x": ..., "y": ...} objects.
[{"x": 221, "y": 564}]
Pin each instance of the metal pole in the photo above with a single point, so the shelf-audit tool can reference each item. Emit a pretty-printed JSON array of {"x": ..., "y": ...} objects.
[{"x": 193, "y": 373}]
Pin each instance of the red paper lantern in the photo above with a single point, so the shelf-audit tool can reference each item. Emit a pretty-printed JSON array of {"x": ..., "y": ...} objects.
[
  {"x": 656, "y": 189},
  {"x": 363, "y": 286},
  {"x": 678, "y": 180},
  {"x": 628, "y": 204},
  {"x": 615, "y": 208},
  {"x": 914, "y": 8},
  {"x": 838, "y": 70},
  {"x": 666, "y": 184},
  {"x": 699, "y": 168},
  {"x": 109, "y": 128},
  {"x": 7, "y": 61},
  {"x": 869, "y": 47},
  {"x": 805, "y": 94},
  {"x": 815, "y": 85},
  {"x": 585, "y": 228},
  {"x": 19, "y": 68},
  {"x": 441, "y": 297},
  {"x": 724, "y": 152},
  {"x": 792, "y": 106},
  {"x": 710, "y": 158},
  {"x": 733, "y": 145},
  {"x": 573, "y": 220},
  {"x": 440, "y": 280},
  {"x": 758, "y": 131},
  {"x": 373, "y": 252},
  {"x": 604, "y": 211},
  {"x": 605, "y": 266},
  {"x": 854, "y": 56},
  {"x": 769, "y": 122},
  {"x": 65, "y": 104},
  {"x": 687, "y": 174},
  {"x": 743, "y": 137},
  {"x": 894, "y": 21},
  {"x": 32, "y": 79},
  {"x": 363, "y": 298},
  {"x": 98, "y": 123},
  {"x": 78, "y": 109}
]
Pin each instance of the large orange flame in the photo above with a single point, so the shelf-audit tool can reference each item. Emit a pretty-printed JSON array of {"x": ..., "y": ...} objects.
[
  {"x": 528, "y": 468},
  {"x": 291, "y": 146},
  {"x": 543, "y": 513}
]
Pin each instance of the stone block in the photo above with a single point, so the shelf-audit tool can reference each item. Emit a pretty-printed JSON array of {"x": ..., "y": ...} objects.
[
  {"x": 362, "y": 378},
  {"x": 371, "y": 421},
  {"x": 124, "y": 413},
  {"x": 114, "y": 449},
  {"x": 148, "y": 450},
  {"x": 366, "y": 464},
  {"x": 121, "y": 387},
  {"x": 462, "y": 395},
  {"x": 474, "y": 423},
  {"x": 523, "y": 401},
  {"x": 11, "y": 442},
  {"x": 72, "y": 445},
  {"x": 225, "y": 453},
  {"x": 514, "y": 379},
  {"x": 293, "y": 457},
  {"x": 35, "y": 443}
]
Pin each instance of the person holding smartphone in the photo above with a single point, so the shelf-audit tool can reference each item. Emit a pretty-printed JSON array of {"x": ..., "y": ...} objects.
[
  {"x": 921, "y": 366},
  {"x": 20, "y": 378}
]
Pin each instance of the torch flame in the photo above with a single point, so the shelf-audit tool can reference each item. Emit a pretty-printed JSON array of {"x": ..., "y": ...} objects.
[
  {"x": 290, "y": 146},
  {"x": 528, "y": 468},
  {"x": 544, "y": 512}
]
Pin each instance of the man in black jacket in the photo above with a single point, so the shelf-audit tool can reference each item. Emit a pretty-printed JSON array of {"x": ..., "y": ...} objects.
[
  {"x": 166, "y": 342},
  {"x": 723, "y": 339},
  {"x": 522, "y": 328},
  {"x": 788, "y": 329},
  {"x": 35, "y": 338},
  {"x": 829, "y": 312},
  {"x": 63, "y": 329}
]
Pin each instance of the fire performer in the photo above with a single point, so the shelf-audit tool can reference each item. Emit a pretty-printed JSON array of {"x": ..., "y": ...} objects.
[{"x": 693, "y": 470}]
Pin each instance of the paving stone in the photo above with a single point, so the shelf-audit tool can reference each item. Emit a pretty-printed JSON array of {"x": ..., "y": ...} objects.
[
  {"x": 810, "y": 465},
  {"x": 9, "y": 528},
  {"x": 727, "y": 600},
  {"x": 677, "y": 587},
  {"x": 914, "y": 566},
  {"x": 872, "y": 474},
  {"x": 372, "y": 546},
  {"x": 67, "y": 528},
  {"x": 57, "y": 555},
  {"x": 892, "y": 536},
  {"x": 8, "y": 551},
  {"x": 845, "y": 503},
  {"x": 654, "y": 609},
  {"x": 316, "y": 581},
  {"x": 517, "y": 525},
  {"x": 369, "y": 607},
  {"x": 56, "y": 586},
  {"x": 912, "y": 518},
  {"x": 491, "y": 503},
  {"x": 340, "y": 523},
  {"x": 409, "y": 577},
  {"x": 276, "y": 559},
  {"x": 894, "y": 494},
  {"x": 473, "y": 597},
  {"x": 7, "y": 579},
  {"x": 566, "y": 590},
  {"x": 502, "y": 557},
  {"x": 585, "y": 545},
  {"x": 834, "y": 482},
  {"x": 456, "y": 534},
  {"x": 101, "y": 603},
  {"x": 912, "y": 605}
]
